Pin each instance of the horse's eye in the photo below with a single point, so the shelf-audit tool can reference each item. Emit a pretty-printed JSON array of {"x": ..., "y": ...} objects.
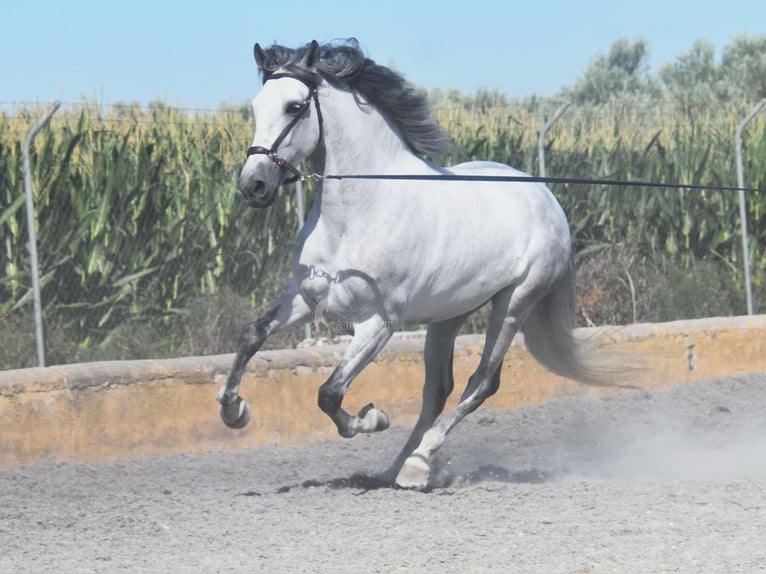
[{"x": 293, "y": 109}]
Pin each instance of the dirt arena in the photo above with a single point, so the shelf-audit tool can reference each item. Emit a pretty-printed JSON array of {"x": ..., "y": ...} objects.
[{"x": 637, "y": 482}]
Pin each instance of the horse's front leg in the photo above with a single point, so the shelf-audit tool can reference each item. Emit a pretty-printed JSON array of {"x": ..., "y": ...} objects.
[
  {"x": 370, "y": 337},
  {"x": 291, "y": 310}
]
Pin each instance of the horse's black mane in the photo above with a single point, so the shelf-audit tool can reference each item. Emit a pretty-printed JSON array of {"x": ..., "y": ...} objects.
[{"x": 345, "y": 63}]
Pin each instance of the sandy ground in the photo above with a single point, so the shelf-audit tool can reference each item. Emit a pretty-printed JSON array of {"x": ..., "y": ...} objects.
[{"x": 667, "y": 481}]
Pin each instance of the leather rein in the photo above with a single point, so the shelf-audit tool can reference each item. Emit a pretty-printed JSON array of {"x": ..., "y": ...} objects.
[{"x": 304, "y": 106}]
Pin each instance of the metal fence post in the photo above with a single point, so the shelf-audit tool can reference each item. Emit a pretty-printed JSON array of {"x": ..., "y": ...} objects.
[
  {"x": 543, "y": 132},
  {"x": 35, "y": 270},
  {"x": 742, "y": 203}
]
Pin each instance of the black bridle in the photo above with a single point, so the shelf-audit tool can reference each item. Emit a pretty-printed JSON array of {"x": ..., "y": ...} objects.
[{"x": 271, "y": 152}]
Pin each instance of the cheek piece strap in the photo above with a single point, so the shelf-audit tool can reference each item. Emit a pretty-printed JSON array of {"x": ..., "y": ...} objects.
[{"x": 271, "y": 152}]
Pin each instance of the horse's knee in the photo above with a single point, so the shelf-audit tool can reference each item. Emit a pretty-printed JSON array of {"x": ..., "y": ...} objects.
[{"x": 253, "y": 335}]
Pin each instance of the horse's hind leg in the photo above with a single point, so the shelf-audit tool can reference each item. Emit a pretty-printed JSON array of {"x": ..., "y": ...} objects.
[
  {"x": 509, "y": 309},
  {"x": 438, "y": 354},
  {"x": 370, "y": 337},
  {"x": 291, "y": 309}
]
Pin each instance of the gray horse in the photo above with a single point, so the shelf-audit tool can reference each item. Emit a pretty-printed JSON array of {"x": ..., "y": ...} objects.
[{"x": 375, "y": 254}]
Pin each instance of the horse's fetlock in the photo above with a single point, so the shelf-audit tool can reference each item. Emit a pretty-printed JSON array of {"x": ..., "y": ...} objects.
[
  {"x": 329, "y": 401},
  {"x": 225, "y": 397}
]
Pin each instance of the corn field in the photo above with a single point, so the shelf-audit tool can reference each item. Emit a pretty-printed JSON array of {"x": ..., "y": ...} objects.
[{"x": 144, "y": 242}]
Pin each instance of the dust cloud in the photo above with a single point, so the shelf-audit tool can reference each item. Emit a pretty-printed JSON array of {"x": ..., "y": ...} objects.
[{"x": 707, "y": 431}]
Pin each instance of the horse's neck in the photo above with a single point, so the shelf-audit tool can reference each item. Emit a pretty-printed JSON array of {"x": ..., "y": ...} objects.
[{"x": 359, "y": 140}]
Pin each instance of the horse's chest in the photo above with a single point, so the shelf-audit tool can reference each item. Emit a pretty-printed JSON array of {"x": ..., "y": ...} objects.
[{"x": 345, "y": 296}]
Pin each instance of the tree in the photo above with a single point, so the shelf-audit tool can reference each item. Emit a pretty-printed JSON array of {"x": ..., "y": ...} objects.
[
  {"x": 744, "y": 68},
  {"x": 623, "y": 70},
  {"x": 692, "y": 81}
]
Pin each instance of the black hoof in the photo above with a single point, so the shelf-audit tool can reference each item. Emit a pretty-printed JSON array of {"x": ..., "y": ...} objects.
[{"x": 236, "y": 415}]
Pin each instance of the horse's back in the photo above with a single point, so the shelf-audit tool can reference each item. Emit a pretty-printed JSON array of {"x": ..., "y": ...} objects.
[
  {"x": 529, "y": 203},
  {"x": 484, "y": 168},
  {"x": 507, "y": 191}
]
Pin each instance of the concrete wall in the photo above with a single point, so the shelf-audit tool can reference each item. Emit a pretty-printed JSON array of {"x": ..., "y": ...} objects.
[{"x": 109, "y": 410}]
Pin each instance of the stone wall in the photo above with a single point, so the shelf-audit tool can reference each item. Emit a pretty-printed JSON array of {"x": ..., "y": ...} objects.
[{"x": 125, "y": 409}]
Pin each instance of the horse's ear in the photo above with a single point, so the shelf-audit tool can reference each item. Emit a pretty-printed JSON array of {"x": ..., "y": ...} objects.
[
  {"x": 260, "y": 55},
  {"x": 312, "y": 54}
]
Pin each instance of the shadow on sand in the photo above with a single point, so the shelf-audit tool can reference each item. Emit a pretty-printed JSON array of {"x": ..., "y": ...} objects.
[{"x": 364, "y": 483}]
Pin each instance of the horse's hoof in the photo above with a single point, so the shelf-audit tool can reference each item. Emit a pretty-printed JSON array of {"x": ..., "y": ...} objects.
[
  {"x": 237, "y": 414},
  {"x": 373, "y": 419},
  {"x": 414, "y": 473}
]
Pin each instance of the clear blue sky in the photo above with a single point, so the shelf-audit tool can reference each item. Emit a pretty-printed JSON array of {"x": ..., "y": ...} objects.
[{"x": 199, "y": 54}]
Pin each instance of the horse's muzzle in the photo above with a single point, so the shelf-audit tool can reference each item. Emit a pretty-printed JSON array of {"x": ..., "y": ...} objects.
[{"x": 257, "y": 194}]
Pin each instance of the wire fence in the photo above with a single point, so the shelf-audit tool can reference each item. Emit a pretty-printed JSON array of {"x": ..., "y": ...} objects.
[{"x": 146, "y": 249}]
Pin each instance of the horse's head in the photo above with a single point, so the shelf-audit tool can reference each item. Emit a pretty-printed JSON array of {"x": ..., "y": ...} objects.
[{"x": 288, "y": 127}]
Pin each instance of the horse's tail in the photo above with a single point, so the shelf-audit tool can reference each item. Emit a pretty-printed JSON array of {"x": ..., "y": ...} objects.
[{"x": 549, "y": 337}]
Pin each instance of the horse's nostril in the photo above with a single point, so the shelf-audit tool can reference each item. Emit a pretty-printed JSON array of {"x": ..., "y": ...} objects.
[
  {"x": 257, "y": 194},
  {"x": 252, "y": 190}
]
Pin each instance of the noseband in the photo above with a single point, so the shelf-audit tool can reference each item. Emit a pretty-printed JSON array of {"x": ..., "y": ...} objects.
[{"x": 271, "y": 152}]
